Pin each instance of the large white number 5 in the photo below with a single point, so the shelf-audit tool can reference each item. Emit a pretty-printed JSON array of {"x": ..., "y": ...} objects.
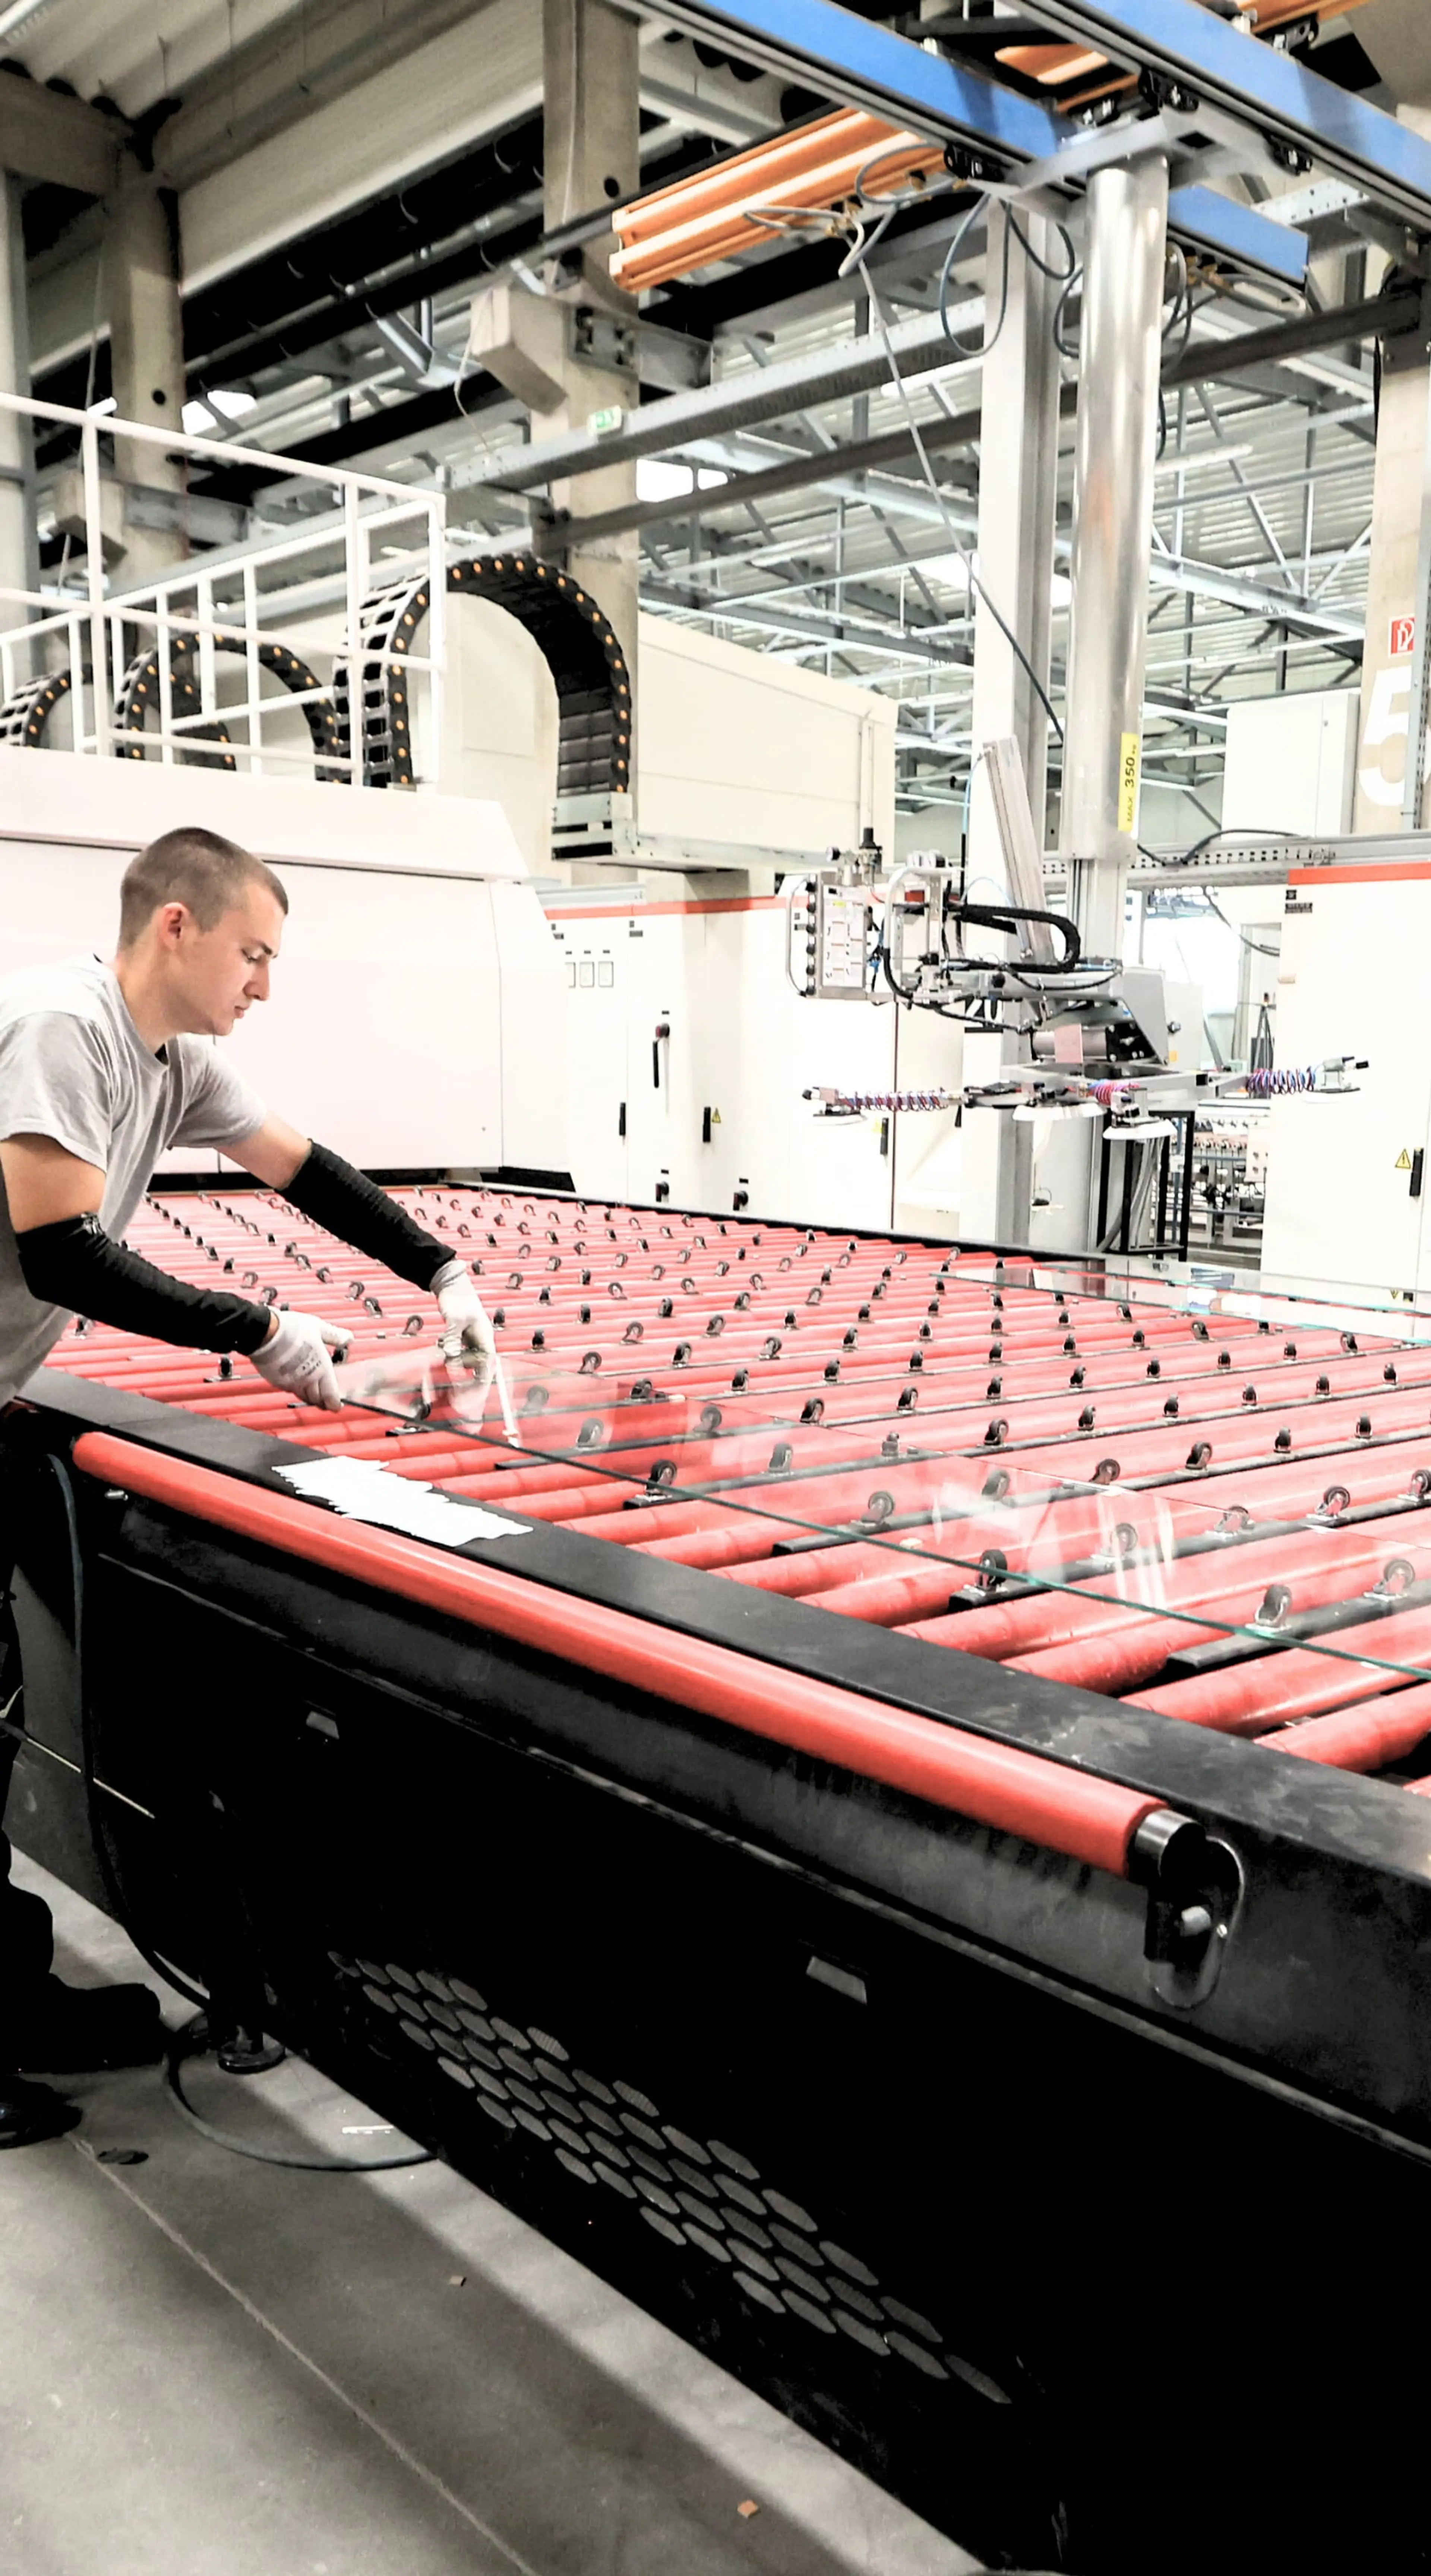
[{"x": 1386, "y": 722}]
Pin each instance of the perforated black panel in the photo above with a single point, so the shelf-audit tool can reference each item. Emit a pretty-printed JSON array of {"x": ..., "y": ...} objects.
[{"x": 701, "y": 2197}]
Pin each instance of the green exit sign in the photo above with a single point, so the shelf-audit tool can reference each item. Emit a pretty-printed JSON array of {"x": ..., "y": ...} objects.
[{"x": 602, "y": 423}]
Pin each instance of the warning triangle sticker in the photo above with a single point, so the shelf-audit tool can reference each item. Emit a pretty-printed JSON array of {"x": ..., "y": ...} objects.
[{"x": 1403, "y": 1161}]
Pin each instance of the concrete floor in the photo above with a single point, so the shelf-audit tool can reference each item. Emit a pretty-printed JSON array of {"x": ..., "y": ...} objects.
[{"x": 211, "y": 2367}]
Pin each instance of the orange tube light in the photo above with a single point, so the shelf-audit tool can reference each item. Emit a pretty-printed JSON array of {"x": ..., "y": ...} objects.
[
  {"x": 717, "y": 213},
  {"x": 1052, "y": 65}
]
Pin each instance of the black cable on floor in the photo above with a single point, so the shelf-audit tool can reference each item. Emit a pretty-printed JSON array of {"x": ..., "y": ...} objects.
[{"x": 192, "y": 2041}]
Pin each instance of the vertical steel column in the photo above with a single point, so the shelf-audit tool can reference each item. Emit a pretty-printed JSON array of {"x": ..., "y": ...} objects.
[
  {"x": 1413, "y": 788},
  {"x": 1018, "y": 491},
  {"x": 19, "y": 555},
  {"x": 1018, "y": 484},
  {"x": 591, "y": 152},
  {"x": 101, "y": 676},
  {"x": 1112, "y": 537}
]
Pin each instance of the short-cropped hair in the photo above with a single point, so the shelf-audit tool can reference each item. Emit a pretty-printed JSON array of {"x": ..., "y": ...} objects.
[{"x": 193, "y": 867}]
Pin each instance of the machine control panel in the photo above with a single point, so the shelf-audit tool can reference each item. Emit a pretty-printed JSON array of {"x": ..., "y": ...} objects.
[
  {"x": 831, "y": 923},
  {"x": 844, "y": 942}
]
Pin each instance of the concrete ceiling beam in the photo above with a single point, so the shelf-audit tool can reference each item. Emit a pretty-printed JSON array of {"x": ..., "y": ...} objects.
[
  {"x": 710, "y": 98},
  {"x": 475, "y": 72},
  {"x": 49, "y": 138}
]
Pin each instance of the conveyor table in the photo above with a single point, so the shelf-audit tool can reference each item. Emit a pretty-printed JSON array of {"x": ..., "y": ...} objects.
[{"x": 816, "y": 1831}]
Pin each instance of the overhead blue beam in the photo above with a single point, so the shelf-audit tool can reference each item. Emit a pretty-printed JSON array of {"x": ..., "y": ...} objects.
[
  {"x": 1274, "y": 95},
  {"x": 1205, "y": 221},
  {"x": 868, "y": 66}
]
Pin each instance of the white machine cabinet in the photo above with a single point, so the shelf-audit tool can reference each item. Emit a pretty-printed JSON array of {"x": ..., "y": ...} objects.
[
  {"x": 689, "y": 1054},
  {"x": 1346, "y": 1178}
]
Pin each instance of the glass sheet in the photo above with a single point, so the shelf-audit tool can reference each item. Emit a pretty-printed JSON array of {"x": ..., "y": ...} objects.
[{"x": 1174, "y": 1484}]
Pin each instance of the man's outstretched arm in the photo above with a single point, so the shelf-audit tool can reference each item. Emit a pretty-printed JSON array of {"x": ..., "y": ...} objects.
[
  {"x": 337, "y": 1196},
  {"x": 67, "y": 1259}
]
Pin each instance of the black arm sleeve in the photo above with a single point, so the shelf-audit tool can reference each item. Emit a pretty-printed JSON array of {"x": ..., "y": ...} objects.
[
  {"x": 358, "y": 1212},
  {"x": 77, "y": 1265}
]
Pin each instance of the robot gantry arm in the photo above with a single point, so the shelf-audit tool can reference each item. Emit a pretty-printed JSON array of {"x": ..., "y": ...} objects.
[{"x": 1093, "y": 1035}]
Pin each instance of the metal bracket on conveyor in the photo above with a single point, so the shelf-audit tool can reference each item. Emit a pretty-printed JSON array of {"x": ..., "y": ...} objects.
[{"x": 1195, "y": 1887}]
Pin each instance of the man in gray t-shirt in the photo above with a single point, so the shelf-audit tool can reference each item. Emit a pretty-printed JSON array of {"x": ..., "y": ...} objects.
[
  {"x": 75, "y": 1070},
  {"x": 102, "y": 1069}
]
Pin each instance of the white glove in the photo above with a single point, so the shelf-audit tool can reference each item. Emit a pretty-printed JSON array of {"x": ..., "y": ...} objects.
[
  {"x": 467, "y": 1334},
  {"x": 296, "y": 1358}
]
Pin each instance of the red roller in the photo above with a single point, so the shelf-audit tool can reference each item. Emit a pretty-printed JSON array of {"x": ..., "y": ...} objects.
[
  {"x": 1055, "y": 1631},
  {"x": 1132, "y": 1650},
  {"x": 1361, "y": 1739},
  {"x": 879, "y": 1587},
  {"x": 1301, "y": 1430},
  {"x": 993, "y": 1784},
  {"x": 1244, "y": 1699}
]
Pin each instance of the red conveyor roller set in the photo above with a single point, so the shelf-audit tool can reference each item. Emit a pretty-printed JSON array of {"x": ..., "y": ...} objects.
[{"x": 1200, "y": 1515}]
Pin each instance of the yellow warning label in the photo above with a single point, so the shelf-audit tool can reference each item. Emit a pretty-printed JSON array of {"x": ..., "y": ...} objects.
[
  {"x": 1130, "y": 764},
  {"x": 1403, "y": 1161}
]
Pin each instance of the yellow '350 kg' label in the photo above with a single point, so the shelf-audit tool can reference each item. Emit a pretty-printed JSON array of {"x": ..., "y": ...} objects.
[{"x": 1130, "y": 764}]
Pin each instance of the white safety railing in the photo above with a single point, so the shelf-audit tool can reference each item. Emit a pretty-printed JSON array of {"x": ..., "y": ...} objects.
[{"x": 204, "y": 614}]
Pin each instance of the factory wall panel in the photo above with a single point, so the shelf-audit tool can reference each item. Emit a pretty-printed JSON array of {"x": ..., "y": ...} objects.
[
  {"x": 115, "y": 805},
  {"x": 599, "y": 965},
  {"x": 405, "y": 994},
  {"x": 667, "y": 990},
  {"x": 1291, "y": 763},
  {"x": 499, "y": 723},
  {"x": 631, "y": 1095},
  {"x": 764, "y": 1047},
  {"x": 929, "y": 1145},
  {"x": 533, "y": 1032}
]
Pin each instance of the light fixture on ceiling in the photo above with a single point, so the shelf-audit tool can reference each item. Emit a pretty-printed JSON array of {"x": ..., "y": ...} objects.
[
  {"x": 215, "y": 409},
  {"x": 659, "y": 480},
  {"x": 952, "y": 570},
  {"x": 20, "y": 15}
]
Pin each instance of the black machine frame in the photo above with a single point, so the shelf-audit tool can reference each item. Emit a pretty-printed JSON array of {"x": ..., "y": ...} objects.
[{"x": 943, "y": 2049}]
